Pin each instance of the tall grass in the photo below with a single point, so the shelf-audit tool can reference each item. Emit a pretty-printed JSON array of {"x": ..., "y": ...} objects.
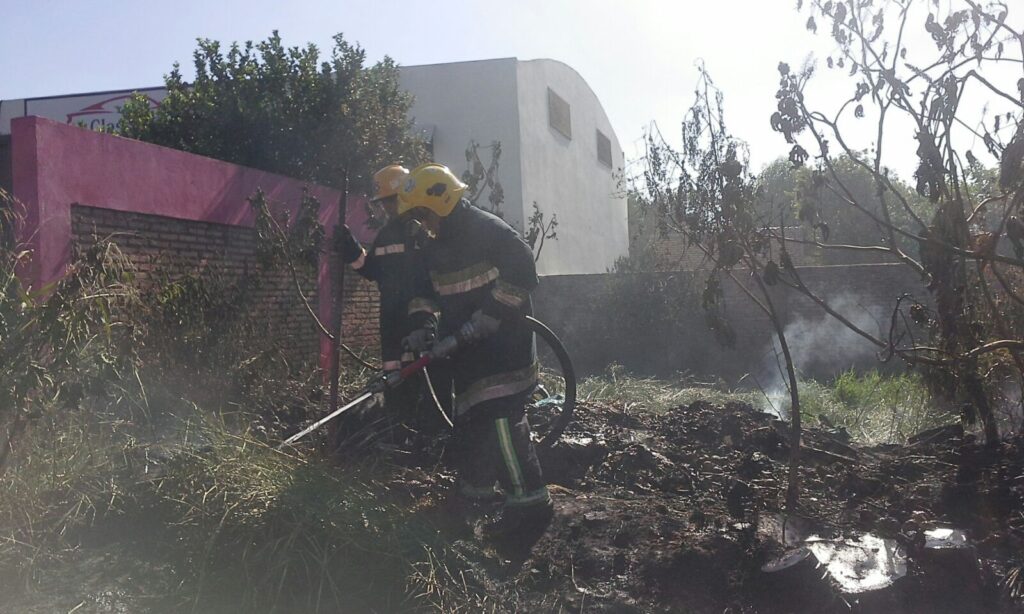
[
  {"x": 271, "y": 531},
  {"x": 240, "y": 525},
  {"x": 153, "y": 486},
  {"x": 874, "y": 407},
  {"x": 632, "y": 392}
]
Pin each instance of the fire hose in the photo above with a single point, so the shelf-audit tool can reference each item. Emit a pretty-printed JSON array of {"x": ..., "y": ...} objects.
[
  {"x": 381, "y": 383},
  {"x": 568, "y": 374}
]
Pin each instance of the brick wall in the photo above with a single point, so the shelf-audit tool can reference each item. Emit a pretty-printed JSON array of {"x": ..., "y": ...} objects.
[
  {"x": 6, "y": 181},
  {"x": 653, "y": 323},
  {"x": 654, "y": 250},
  {"x": 670, "y": 252},
  {"x": 175, "y": 247},
  {"x": 6, "y": 232},
  {"x": 360, "y": 322}
]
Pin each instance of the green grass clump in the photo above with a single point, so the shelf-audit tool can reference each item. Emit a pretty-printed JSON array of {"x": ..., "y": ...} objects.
[
  {"x": 874, "y": 407},
  {"x": 271, "y": 531},
  {"x": 234, "y": 523}
]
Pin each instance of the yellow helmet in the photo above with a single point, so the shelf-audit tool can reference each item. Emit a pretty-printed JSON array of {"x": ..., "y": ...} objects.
[
  {"x": 388, "y": 181},
  {"x": 432, "y": 186}
]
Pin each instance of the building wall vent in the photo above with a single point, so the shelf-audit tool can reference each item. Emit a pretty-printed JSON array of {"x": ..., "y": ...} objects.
[
  {"x": 559, "y": 114},
  {"x": 604, "y": 149}
]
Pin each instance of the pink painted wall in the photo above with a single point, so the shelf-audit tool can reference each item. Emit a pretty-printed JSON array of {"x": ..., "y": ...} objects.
[{"x": 56, "y": 165}]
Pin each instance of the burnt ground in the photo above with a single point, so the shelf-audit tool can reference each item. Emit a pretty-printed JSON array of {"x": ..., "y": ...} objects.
[
  {"x": 679, "y": 512},
  {"x": 655, "y": 512}
]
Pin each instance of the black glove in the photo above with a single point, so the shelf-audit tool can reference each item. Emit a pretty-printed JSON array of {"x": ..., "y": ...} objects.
[
  {"x": 420, "y": 340},
  {"x": 480, "y": 326},
  {"x": 417, "y": 236},
  {"x": 445, "y": 347},
  {"x": 388, "y": 379},
  {"x": 350, "y": 249}
]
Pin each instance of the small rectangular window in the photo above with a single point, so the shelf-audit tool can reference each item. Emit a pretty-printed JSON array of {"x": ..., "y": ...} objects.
[
  {"x": 559, "y": 114},
  {"x": 604, "y": 149}
]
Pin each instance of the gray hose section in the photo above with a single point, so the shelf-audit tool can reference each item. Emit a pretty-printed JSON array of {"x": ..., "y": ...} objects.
[
  {"x": 568, "y": 373},
  {"x": 433, "y": 396}
]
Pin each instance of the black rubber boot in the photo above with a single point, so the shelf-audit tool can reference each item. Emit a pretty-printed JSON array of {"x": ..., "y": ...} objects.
[
  {"x": 478, "y": 505},
  {"x": 526, "y": 522}
]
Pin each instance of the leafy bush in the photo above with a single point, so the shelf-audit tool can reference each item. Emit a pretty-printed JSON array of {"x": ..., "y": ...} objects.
[
  {"x": 288, "y": 110},
  {"x": 60, "y": 343},
  {"x": 116, "y": 459}
]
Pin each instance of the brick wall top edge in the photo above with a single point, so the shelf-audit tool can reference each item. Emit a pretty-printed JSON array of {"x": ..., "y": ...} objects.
[
  {"x": 56, "y": 126},
  {"x": 807, "y": 268},
  {"x": 169, "y": 218}
]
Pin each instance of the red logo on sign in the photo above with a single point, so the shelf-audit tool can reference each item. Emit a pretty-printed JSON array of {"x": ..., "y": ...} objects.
[{"x": 107, "y": 112}]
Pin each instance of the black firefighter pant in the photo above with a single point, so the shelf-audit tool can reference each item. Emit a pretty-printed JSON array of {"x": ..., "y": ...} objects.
[
  {"x": 492, "y": 444},
  {"x": 410, "y": 406}
]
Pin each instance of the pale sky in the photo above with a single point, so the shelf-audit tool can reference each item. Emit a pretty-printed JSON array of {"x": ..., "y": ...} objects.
[{"x": 639, "y": 56}]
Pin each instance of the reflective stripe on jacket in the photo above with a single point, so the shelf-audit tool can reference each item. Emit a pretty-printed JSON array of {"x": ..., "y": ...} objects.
[
  {"x": 401, "y": 275},
  {"x": 480, "y": 263}
]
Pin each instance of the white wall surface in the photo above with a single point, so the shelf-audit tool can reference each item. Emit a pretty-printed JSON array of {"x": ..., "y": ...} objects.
[
  {"x": 9, "y": 109},
  {"x": 565, "y": 177},
  {"x": 467, "y": 101}
]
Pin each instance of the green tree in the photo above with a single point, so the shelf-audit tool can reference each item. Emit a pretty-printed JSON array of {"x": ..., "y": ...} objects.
[
  {"x": 795, "y": 195},
  {"x": 705, "y": 193},
  {"x": 284, "y": 110}
]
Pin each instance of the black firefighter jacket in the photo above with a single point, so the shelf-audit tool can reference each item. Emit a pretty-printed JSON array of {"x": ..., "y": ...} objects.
[
  {"x": 401, "y": 275},
  {"x": 480, "y": 262}
]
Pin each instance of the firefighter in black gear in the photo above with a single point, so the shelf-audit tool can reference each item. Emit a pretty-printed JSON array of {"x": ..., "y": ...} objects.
[
  {"x": 482, "y": 274},
  {"x": 400, "y": 277}
]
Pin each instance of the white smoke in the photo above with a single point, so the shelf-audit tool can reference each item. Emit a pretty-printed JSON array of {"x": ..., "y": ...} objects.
[
  {"x": 821, "y": 346},
  {"x": 1008, "y": 408}
]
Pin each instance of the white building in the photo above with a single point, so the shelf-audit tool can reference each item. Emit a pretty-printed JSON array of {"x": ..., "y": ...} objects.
[{"x": 558, "y": 148}]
